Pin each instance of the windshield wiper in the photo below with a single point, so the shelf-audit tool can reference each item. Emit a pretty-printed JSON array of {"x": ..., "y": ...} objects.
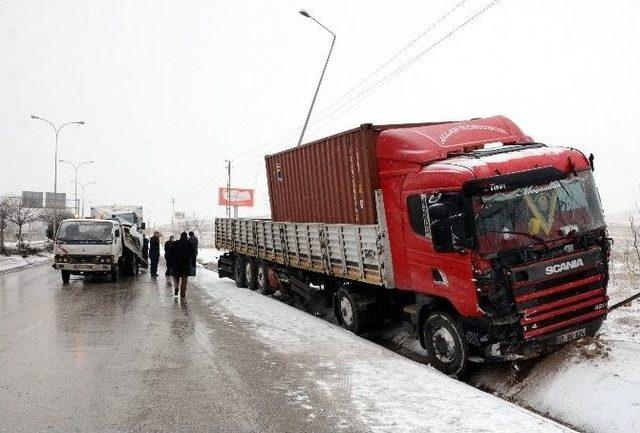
[{"x": 529, "y": 235}]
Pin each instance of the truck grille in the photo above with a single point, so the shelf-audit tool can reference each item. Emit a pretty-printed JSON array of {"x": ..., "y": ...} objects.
[
  {"x": 81, "y": 259},
  {"x": 552, "y": 295}
]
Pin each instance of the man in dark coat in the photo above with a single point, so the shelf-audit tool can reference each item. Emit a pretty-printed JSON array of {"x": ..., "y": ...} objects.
[
  {"x": 154, "y": 253},
  {"x": 194, "y": 242},
  {"x": 167, "y": 255},
  {"x": 182, "y": 255}
]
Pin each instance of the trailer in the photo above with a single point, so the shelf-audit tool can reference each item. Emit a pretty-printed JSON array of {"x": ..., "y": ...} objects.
[{"x": 493, "y": 245}]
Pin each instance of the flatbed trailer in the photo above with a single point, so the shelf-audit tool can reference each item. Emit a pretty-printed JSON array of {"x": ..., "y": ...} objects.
[{"x": 349, "y": 251}]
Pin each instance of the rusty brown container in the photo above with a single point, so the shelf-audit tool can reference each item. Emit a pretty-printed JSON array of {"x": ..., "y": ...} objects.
[{"x": 331, "y": 180}]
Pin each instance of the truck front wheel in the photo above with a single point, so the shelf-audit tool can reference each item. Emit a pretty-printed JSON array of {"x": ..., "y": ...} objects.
[
  {"x": 238, "y": 272},
  {"x": 444, "y": 341},
  {"x": 114, "y": 274},
  {"x": 66, "y": 276}
]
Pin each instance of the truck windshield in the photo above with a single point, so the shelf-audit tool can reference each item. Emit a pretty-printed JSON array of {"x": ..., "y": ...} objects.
[
  {"x": 537, "y": 213},
  {"x": 84, "y": 232}
]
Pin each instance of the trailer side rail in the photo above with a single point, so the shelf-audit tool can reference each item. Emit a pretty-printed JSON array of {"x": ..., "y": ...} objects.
[{"x": 350, "y": 251}]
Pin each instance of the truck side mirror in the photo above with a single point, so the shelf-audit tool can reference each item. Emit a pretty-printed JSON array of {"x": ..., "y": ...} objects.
[
  {"x": 143, "y": 226},
  {"x": 117, "y": 233}
]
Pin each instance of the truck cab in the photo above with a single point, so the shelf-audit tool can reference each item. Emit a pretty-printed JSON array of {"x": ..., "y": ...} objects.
[
  {"x": 502, "y": 239},
  {"x": 97, "y": 247}
]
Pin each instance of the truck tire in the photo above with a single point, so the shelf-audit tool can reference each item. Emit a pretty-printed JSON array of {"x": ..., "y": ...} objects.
[
  {"x": 348, "y": 312},
  {"x": 444, "y": 341},
  {"x": 238, "y": 272},
  {"x": 114, "y": 275},
  {"x": 250, "y": 273},
  {"x": 262, "y": 279},
  {"x": 66, "y": 276}
]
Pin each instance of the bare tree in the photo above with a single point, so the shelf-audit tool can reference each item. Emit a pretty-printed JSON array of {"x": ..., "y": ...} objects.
[
  {"x": 19, "y": 214},
  {"x": 193, "y": 223},
  {"x": 52, "y": 218},
  {"x": 4, "y": 219},
  {"x": 632, "y": 248}
]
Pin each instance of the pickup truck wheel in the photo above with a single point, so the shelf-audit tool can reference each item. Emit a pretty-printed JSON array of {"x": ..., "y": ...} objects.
[
  {"x": 66, "y": 276},
  {"x": 238, "y": 272},
  {"x": 447, "y": 350},
  {"x": 250, "y": 273},
  {"x": 262, "y": 279}
]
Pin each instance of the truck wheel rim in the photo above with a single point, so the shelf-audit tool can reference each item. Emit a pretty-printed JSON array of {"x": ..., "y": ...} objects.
[
  {"x": 261, "y": 277},
  {"x": 346, "y": 311},
  {"x": 444, "y": 344},
  {"x": 247, "y": 271}
]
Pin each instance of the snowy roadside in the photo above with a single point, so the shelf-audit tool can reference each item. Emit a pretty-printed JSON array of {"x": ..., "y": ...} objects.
[
  {"x": 390, "y": 392},
  {"x": 9, "y": 263}
]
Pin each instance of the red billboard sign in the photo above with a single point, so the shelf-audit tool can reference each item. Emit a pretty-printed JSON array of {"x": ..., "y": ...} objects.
[{"x": 235, "y": 197}]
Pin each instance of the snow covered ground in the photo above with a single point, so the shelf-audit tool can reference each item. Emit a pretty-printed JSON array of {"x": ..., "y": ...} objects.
[
  {"x": 391, "y": 393},
  {"x": 593, "y": 384},
  {"x": 8, "y": 263}
]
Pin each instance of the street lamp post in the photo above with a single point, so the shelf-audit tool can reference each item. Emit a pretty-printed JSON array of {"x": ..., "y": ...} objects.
[
  {"x": 57, "y": 130},
  {"x": 76, "y": 166},
  {"x": 83, "y": 186},
  {"x": 315, "y": 95}
]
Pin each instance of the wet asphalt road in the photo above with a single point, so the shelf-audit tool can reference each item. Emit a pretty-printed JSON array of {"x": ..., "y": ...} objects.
[{"x": 97, "y": 356}]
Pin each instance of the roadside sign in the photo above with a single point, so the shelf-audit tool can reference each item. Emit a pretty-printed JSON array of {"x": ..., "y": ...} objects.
[
  {"x": 235, "y": 197},
  {"x": 179, "y": 215},
  {"x": 55, "y": 200},
  {"x": 32, "y": 199}
]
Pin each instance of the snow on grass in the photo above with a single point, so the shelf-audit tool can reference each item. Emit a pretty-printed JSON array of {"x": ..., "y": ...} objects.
[
  {"x": 390, "y": 393},
  {"x": 8, "y": 263}
]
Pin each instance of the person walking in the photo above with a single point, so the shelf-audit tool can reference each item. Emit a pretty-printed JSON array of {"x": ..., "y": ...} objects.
[
  {"x": 194, "y": 242},
  {"x": 154, "y": 253},
  {"x": 182, "y": 255},
  {"x": 167, "y": 255}
]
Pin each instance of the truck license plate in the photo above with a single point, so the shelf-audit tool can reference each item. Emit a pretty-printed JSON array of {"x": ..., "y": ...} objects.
[
  {"x": 579, "y": 333},
  {"x": 83, "y": 267}
]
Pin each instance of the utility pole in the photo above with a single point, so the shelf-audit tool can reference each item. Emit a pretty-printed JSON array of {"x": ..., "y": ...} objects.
[
  {"x": 173, "y": 211},
  {"x": 228, "y": 188}
]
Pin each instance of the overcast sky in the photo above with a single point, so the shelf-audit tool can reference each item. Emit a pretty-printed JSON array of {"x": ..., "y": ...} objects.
[{"x": 170, "y": 89}]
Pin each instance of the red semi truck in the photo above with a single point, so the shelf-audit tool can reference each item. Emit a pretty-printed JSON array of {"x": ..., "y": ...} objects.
[{"x": 494, "y": 245}]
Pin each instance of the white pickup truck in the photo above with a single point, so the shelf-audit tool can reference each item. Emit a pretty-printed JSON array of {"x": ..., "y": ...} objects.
[{"x": 90, "y": 246}]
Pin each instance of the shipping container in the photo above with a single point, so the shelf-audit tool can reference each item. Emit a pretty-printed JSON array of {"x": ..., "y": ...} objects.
[{"x": 331, "y": 180}]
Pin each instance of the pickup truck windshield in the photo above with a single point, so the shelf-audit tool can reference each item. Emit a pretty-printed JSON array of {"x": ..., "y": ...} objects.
[
  {"x": 84, "y": 232},
  {"x": 537, "y": 213}
]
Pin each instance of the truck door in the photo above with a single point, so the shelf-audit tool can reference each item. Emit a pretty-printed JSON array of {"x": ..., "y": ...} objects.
[{"x": 443, "y": 270}]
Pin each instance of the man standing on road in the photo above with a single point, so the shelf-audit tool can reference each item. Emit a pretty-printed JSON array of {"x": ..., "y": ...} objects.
[
  {"x": 182, "y": 255},
  {"x": 167, "y": 255},
  {"x": 194, "y": 242},
  {"x": 154, "y": 253}
]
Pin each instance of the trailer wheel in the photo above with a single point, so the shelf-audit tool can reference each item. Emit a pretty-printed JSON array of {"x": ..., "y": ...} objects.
[
  {"x": 66, "y": 276},
  {"x": 347, "y": 310},
  {"x": 262, "y": 279},
  {"x": 238, "y": 272},
  {"x": 447, "y": 350},
  {"x": 250, "y": 273}
]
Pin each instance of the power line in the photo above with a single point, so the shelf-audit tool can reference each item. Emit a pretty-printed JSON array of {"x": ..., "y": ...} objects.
[
  {"x": 352, "y": 102},
  {"x": 395, "y": 56}
]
